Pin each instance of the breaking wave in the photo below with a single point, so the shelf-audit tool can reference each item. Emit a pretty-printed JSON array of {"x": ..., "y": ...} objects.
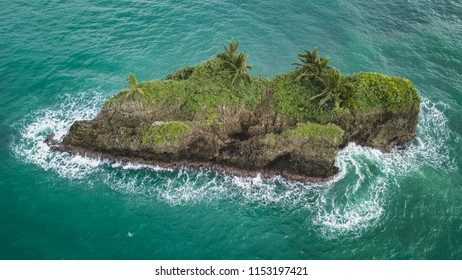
[
  {"x": 31, "y": 148},
  {"x": 350, "y": 204}
]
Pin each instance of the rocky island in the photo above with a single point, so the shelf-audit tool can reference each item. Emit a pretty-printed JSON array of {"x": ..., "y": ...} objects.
[{"x": 216, "y": 115}]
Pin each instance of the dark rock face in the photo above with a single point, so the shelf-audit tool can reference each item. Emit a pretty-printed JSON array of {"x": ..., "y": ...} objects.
[
  {"x": 380, "y": 129},
  {"x": 238, "y": 142},
  {"x": 241, "y": 142}
]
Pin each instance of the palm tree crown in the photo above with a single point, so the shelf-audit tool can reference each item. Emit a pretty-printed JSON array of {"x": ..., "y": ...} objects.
[
  {"x": 335, "y": 88},
  {"x": 236, "y": 63},
  {"x": 232, "y": 50},
  {"x": 133, "y": 83},
  {"x": 312, "y": 66},
  {"x": 238, "y": 68}
]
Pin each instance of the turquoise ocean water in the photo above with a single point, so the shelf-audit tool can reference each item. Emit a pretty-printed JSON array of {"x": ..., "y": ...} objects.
[{"x": 59, "y": 61}]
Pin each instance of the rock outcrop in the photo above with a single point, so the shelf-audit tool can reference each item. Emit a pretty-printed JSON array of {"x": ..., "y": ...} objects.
[
  {"x": 242, "y": 143},
  {"x": 149, "y": 126}
]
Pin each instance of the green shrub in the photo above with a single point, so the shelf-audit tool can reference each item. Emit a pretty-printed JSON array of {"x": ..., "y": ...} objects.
[{"x": 210, "y": 70}]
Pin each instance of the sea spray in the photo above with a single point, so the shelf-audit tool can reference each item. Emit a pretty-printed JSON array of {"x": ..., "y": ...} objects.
[
  {"x": 351, "y": 203},
  {"x": 31, "y": 148}
]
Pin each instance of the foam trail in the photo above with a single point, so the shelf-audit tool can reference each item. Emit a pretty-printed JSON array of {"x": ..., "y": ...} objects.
[{"x": 350, "y": 204}]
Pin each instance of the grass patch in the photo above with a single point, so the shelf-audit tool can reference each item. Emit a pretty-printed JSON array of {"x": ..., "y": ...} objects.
[
  {"x": 165, "y": 132},
  {"x": 329, "y": 132}
]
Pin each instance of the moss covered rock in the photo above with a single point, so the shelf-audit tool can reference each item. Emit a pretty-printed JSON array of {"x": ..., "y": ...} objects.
[{"x": 161, "y": 132}]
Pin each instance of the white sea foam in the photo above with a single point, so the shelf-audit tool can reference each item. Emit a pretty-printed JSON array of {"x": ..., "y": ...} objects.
[
  {"x": 357, "y": 199},
  {"x": 30, "y": 146},
  {"x": 350, "y": 204}
]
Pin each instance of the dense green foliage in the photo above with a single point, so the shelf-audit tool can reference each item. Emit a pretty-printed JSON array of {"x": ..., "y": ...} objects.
[
  {"x": 164, "y": 132},
  {"x": 212, "y": 71},
  {"x": 314, "y": 91},
  {"x": 202, "y": 95},
  {"x": 374, "y": 90}
]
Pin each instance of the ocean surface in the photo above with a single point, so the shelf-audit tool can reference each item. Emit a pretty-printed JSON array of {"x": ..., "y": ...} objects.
[{"x": 59, "y": 61}]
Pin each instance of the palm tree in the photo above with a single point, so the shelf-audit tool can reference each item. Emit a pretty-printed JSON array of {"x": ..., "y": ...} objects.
[
  {"x": 238, "y": 67},
  {"x": 315, "y": 70},
  {"x": 236, "y": 63},
  {"x": 336, "y": 88},
  {"x": 233, "y": 49},
  {"x": 133, "y": 84},
  {"x": 308, "y": 57},
  {"x": 312, "y": 66},
  {"x": 230, "y": 51}
]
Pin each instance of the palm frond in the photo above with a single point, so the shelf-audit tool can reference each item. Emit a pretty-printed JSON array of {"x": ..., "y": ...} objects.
[
  {"x": 232, "y": 50},
  {"x": 132, "y": 80},
  {"x": 133, "y": 84}
]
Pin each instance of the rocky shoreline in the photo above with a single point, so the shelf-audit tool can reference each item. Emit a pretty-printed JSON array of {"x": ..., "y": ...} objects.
[
  {"x": 198, "y": 118},
  {"x": 264, "y": 173},
  {"x": 125, "y": 155}
]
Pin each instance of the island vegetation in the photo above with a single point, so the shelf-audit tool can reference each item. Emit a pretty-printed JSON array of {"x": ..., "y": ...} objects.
[{"x": 219, "y": 116}]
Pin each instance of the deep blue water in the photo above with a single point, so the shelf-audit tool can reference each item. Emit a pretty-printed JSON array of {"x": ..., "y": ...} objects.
[{"x": 59, "y": 61}]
